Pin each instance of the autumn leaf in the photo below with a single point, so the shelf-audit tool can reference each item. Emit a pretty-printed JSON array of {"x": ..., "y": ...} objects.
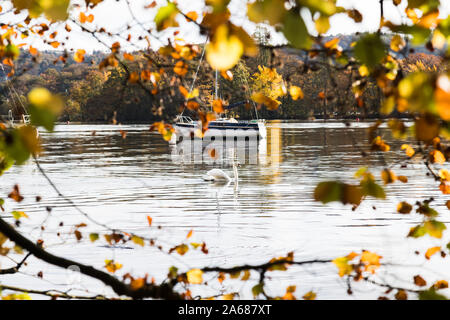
[
  {"x": 180, "y": 68},
  {"x": 289, "y": 295},
  {"x": 419, "y": 281},
  {"x": 343, "y": 266},
  {"x": 79, "y": 55},
  {"x": 166, "y": 17},
  {"x": 370, "y": 260},
  {"x": 15, "y": 194},
  {"x": 408, "y": 150},
  {"x": 195, "y": 276},
  {"x": 401, "y": 295},
  {"x": 138, "y": 240},
  {"x": 149, "y": 220},
  {"x": 192, "y": 15},
  {"x": 224, "y": 50},
  {"x": 440, "y": 284},
  {"x": 83, "y": 18},
  {"x": 388, "y": 176},
  {"x": 44, "y": 107},
  {"x": 436, "y": 156},
  {"x": 217, "y": 106},
  {"x": 112, "y": 266},
  {"x": 404, "y": 207},
  {"x": 19, "y": 214},
  {"x": 431, "y": 251},
  {"x": 93, "y": 237},
  {"x": 296, "y": 93},
  {"x": 180, "y": 249},
  {"x": 397, "y": 43},
  {"x": 309, "y": 296}
]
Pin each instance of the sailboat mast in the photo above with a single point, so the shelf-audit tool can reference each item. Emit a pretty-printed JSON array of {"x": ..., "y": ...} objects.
[{"x": 216, "y": 86}]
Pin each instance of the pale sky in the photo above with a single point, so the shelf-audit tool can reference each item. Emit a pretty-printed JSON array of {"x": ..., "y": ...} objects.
[{"x": 115, "y": 16}]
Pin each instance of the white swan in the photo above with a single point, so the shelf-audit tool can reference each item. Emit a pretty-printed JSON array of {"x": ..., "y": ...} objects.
[{"x": 218, "y": 175}]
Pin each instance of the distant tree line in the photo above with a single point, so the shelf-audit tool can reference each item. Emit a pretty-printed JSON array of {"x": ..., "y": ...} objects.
[{"x": 94, "y": 95}]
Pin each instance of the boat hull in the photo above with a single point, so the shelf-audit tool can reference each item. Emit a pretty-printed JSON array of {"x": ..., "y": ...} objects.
[{"x": 225, "y": 130}]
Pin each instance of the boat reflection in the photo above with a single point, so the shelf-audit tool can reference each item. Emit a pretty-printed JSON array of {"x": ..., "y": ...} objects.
[{"x": 212, "y": 151}]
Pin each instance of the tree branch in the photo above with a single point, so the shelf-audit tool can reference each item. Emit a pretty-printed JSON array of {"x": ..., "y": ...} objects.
[
  {"x": 164, "y": 291},
  {"x": 16, "y": 268}
]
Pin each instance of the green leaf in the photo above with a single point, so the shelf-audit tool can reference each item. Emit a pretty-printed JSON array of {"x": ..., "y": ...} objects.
[
  {"x": 94, "y": 237},
  {"x": 42, "y": 117},
  {"x": 419, "y": 34},
  {"x": 258, "y": 289},
  {"x": 295, "y": 31},
  {"x": 14, "y": 148},
  {"x": 329, "y": 191},
  {"x": 165, "y": 17},
  {"x": 434, "y": 228},
  {"x": 370, "y": 50},
  {"x": 44, "y": 107},
  {"x": 173, "y": 272},
  {"x": 431, "y": 294},
  {"x": 371, "y": 188},
  {"x": 417, "y": 232}
]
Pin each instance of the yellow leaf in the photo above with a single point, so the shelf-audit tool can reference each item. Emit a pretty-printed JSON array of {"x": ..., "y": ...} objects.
[
  {"x": 322, "y": 24},
  {"x": 296, "y": 92},
  {"x": 112, "y": 266},
  {"x": 225, "y": 49},
  {"x": 397, "y": 43},
  {"x": 310, "y": 296},
  {"x": 195, "y": 276},
  {"x": 343, "y": 266},
  {"x": 444, "y": 174},
  {"x": 408, "y": 150},
  {"x": 371, "y": 261},
  {"x": 364, "y": 71},
  {"x": 79, "y": 55},
  {"x": 440, "y": 284},
  {"x": 138, "y": 240},
  {"x": 437, "y": 157},
  {"x": 260, "y": 98}
]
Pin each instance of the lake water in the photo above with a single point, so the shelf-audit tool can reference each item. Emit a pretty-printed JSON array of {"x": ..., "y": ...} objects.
[{"x": 119, "y": 182}]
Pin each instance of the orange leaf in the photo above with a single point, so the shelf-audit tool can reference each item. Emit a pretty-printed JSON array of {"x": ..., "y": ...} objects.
[
  {"x": 149, "y": 219},
  {"x": 134, "y": 77},
  {"x": 183, "y": 91},
  {"x": 33, "y": 51},
  {"x": 180, "y": 68},
  {"x": 217, "y": 106},
  {"x": 79, "y": 55},
  {"x": 419, "y": 281},
  {"x": 431, "y": 251},
  {"x": 192, "y": 15},
  {"x": 128, "y": 56}
]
